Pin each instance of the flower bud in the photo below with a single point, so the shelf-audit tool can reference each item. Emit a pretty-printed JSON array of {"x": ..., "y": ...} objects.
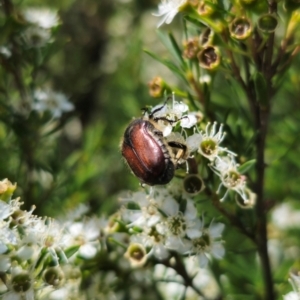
[
  {"x": 205, "y": 9},
  {"x": 157, "y": 87},
  {"x": 21, "y": 282},
  {"x": 193, "y": 184},
  {"x": 136, "y": 254},
  {"x": 209, "y": 58},
  {"x": 113, "y": 223},
  {"x": 206, "y": 37},
  {"x": 267, "y": 23},
  {"x": 54, "y": 276},
  {"x": 248, "y": 202},
  {"x": 240, "y": 28},
  {"x": 191, "y": 48},
  {"x": 6, "y": 189}
]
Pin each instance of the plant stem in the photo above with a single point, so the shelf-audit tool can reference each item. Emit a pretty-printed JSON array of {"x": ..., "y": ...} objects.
[
  {"x": 179, "y": 267},
  {"x": 261, "y": 229},
  {"x": 261, "y": 126}
]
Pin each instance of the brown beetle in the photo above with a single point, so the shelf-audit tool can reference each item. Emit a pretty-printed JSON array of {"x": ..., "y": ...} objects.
[{"x": 151, "y": 157}]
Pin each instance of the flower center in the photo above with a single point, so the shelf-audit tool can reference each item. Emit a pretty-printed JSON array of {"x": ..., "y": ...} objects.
[
  {"x": 21, "y": 283},
  {"x": 177, "y": 224},
  {"x": 232, "y": 179},
  {"x": 202, "y": 243},
  {"x": 208, "y": 147}
]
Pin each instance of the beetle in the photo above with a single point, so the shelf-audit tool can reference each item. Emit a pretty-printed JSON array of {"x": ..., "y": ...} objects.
[{"x": 151, "y": 157}]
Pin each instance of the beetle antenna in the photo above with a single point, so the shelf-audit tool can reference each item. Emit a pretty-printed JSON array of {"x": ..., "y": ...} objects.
[
  {"x": 165, "y": 119},
  {"x": 160, "y": 108}
]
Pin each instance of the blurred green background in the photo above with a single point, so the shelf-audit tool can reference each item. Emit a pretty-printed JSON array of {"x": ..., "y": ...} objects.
[{"x": 96, "y": 59}]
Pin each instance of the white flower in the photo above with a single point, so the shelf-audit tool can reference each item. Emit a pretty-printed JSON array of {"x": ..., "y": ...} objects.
[
  {"x": 150, "y": 237},
  {"x": 188, "y": 121},
  {"x": 36, "y": 36},
  {"x": 46, "y": 233},
  {"x": 167, "y": 116},
  {"x": 5, "y": 51},
  {"x": 206, "y": 78},
  {"x": 77, "y": 213},
  {"x": 226, "y": 169},
  {"x": 295, "y": 282},
  {"x": 86, "y": 234},
  {"x": 20, "y": 286},
  {"x": 208, "y": 143},
  {"x": 4, "y": 263},
  {"x": 169, "y": 283},
  {"x": 42, "y": 17},
  {"x": 8, "y": 209},
  {"x": 292, "y": 296},
  {"x": 168, "y": 9},
  {"x": 178, "y": 224},
  {"x": 206, "y": 244},
  {"x": 48, "y": 100},
  {"x": 173, "y": 112},
  {"x": 147, "y": 215},
  {"x": 285, "y": 216},
  {"x": 7, "y": 236},
  {"x": 5, "y": 210}
]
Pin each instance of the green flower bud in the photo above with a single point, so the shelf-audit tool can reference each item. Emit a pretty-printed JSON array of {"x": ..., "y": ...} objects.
[
  {"x": 240, "y": 28},
  {"x": 267, "y": 23},
  {"x": 113, "y": 224},
  {"x": 206, "y": 37},
  {"x": 193, "y": 184},
  {"x": 205, "y": 9},
  {"x": 54, "y": 276},
  {"x": 209, "y": 58},
  {"x": 251, "y": 199},
  {"x": 21, "y": 282}
]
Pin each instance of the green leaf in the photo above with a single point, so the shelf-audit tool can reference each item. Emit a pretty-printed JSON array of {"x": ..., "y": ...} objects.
[
  {"x": 173, "y": 47},
  {"x": 170, "y": 65},
  {"x": 71, "y": 251},
  {"x": 192, "y": 102},
  {"x": 246, "y": 166},
  {"x": 177, "y": 51}
]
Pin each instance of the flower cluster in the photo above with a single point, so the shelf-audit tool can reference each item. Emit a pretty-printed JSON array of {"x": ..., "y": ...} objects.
[
  {"x": 175, "y": 120},
  {"x": 167, "y": 220},
  {"x": 40, "y": 21},
  {"x": 46, "y": 100},
  {"x": 37, "y": 254},
  {"x": 41, "y": 258}
]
